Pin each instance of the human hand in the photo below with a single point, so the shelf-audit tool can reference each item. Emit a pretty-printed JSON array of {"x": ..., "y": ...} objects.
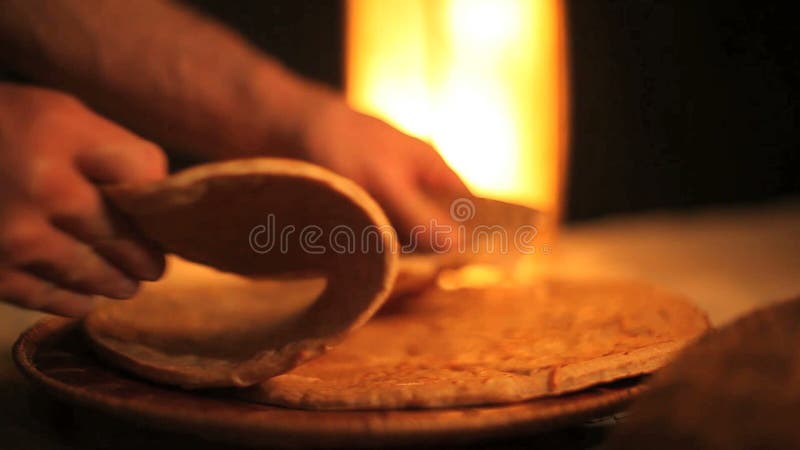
[
  {"x": 403, "y": 173},
  {"x": 59, "y": 243}
]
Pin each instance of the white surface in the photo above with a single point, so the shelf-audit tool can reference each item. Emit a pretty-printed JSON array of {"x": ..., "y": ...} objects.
[{"x": 730, "y": 261}]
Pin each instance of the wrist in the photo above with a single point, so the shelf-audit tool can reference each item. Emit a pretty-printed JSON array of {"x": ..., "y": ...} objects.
[{"x": 291, "y": 111}]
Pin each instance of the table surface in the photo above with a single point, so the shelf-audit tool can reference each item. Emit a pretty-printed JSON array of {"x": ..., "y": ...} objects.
[{"x": 729, "y": 260}]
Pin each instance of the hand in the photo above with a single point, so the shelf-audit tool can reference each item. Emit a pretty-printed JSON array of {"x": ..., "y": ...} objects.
[
  {"x": 403, "y": 173},
  {"x": 227, "y": 100},
  {"x": 59, "y": 243}
]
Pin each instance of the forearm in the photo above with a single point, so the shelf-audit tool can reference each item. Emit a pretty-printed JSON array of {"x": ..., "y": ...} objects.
[{"x": 164, "y": 71}]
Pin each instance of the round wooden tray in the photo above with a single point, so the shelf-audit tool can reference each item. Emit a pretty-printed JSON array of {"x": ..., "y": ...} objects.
[{"x": 54, "y": 355}]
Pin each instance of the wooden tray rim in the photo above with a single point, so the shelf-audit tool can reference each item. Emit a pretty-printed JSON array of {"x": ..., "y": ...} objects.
[{"x": 256, "y": 424}]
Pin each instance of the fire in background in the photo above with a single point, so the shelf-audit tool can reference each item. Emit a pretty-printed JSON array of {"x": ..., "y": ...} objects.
[{"x": 483, "y": 80}]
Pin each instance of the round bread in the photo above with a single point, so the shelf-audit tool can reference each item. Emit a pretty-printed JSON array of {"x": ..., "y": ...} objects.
[
  {"x": 496, "y": 345},
  {"x": 260, "y": 218},
  {"x": 488, "y": 231}
]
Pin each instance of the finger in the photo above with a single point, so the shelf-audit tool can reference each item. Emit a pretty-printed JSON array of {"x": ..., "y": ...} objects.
[
  {"x": 135, "y": 161},
  {"x": 436, "y": 175},
  {"x": 30, "y": 292},
  {"x": 51, "y": 254},
  {"x": 138, "y": 257},
  {"x": 414, "y": 212},
  {"x": 84, "y": 215}
]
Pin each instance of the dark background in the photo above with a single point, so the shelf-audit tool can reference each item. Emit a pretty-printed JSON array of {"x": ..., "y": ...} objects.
[{"x": 674, "y": 104}]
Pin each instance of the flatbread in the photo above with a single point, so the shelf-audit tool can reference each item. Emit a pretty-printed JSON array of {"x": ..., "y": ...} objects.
[
  {"x": 221, "y": 215},
  {"x": 496, "y": 345},
  {"x": 488, "y": 230}
]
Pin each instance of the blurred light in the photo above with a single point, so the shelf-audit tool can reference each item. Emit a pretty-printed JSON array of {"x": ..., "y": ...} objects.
[{"x": 483, "y": 80}]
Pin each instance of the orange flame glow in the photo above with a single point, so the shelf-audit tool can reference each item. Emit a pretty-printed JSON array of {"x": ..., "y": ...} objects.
[{"x": 483, "y": 80}]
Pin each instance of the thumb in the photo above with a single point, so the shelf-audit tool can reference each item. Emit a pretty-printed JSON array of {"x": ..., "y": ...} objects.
[{"x": 422, "y": 223}]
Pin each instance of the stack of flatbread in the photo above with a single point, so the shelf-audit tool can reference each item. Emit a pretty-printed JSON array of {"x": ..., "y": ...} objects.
[{"x": 295, "y": 327}]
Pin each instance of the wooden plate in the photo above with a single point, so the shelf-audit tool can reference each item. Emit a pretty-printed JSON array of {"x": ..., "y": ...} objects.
[{"x": 54, "y": 355}]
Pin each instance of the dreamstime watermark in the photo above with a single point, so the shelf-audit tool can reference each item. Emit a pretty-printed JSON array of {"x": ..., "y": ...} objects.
[{"x": 460, "y": 236}]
